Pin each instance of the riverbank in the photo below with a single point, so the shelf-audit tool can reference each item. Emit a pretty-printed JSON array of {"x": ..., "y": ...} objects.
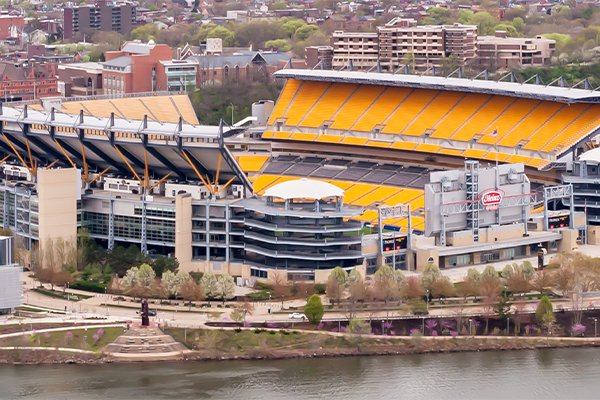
[{"x": 256, "y": 346}]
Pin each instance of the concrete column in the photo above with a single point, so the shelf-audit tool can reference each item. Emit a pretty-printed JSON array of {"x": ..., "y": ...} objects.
[{"x": 183, "y": 231}]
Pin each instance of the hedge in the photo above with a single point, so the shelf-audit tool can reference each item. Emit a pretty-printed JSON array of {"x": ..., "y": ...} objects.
[{"x": 89, "y": 286}]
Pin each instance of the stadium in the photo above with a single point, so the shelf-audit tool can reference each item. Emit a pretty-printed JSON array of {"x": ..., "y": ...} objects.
[{"x": 356, "y": 169}]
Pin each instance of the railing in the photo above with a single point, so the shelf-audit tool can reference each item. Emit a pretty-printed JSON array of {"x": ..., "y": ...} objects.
[{"x": 100, "y": 97}]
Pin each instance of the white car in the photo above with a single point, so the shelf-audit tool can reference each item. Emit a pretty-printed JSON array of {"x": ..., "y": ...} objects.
[{"x": 297, "y": 316}]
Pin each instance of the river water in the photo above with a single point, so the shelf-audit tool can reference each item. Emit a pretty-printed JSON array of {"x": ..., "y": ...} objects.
[{"x": 542, "y": 374}]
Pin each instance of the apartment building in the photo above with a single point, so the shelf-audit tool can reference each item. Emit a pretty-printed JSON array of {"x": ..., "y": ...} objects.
[
  {"x": 102, "y": 16},
  {"x": 503, "y": 52},
  {"x": 401, "y": 42},
  {"x": 361, "y": 49}
]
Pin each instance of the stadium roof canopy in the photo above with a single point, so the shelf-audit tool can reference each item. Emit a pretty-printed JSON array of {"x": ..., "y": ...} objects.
[
  {"x": 513, "y": 89},
  {"x": 126, "y": 146},
  {"x": 304, "y": 189}
]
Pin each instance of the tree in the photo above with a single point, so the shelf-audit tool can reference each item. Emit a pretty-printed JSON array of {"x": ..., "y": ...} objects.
[
  {"x": 334, "y": 291},
  {"x": 430, "y": 273},
  {"x": 191, "y": 291},
  {"x": 412, "y": 289},
  {"x": 544, "y": 307},
  {"x": 542, "y": 280},
  {"x": 357, "y": 328},
  {"x": 158, "y": 290},
  {"x": 490, "y": 272},
  {"x": 146, "y": 275},
  {"x": 314, "y": 309},
  {"x": 386, "y": 285},
  {"x": 518, "y": 282},
  {"x": 224, "y": 34},
  {"x": 244, "y": 308},
  {"x": 441, "y": 287},
  {"x": 564, "y": 279},
  {"x": 210, "y": 285},
  {"x": 226, "y": 287},
  {"x": 340, "y": 275},
  {"x": 356, "y": 287}
]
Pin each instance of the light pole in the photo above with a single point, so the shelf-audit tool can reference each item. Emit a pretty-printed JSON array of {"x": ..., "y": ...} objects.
[
  {"x": 504, "y": 291},
  {"x": 68, "y": 298},
  {"x": 427, "y": 300},
  {"x": 185, "y": 334},
  {"x": 231, "y": 104},
  {"x": 423, "y": 327},
  {"x": 470, "y": 329},
  {"x": 507, "y": 326},
  {"x": 595, "y": 327},
  {"x": 106, "y": 300}
]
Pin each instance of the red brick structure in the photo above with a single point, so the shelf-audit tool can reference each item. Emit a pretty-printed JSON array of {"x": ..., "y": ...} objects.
[
  {"x": 10, "y": 26},
  {"x": 27, "y": 81},
  {"x": 136, "y": 68}
]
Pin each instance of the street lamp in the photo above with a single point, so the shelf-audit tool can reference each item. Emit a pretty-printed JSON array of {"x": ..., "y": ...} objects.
[
  {"x": 505, "y": 291},
  {"x": 428, "y": 300},
  {"x": 106, "y": 300},
  {"x": 595, "y": 327},
  {"x": 231, "y": 104},
  {"x": 470, "y": 329},
  {"x": 68, "y": 298},
  {"x": 507, "y": 326}
]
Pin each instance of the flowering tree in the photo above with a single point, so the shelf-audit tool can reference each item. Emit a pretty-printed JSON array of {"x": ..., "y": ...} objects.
[
  {"x": 578, "y": 330},
  {"x": 431, "y": 324}
]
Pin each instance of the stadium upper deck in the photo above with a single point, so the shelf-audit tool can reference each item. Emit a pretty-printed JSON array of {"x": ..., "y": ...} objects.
[
  {"x": 128, "y": 147},
  {"x": 504, "y": 121}
]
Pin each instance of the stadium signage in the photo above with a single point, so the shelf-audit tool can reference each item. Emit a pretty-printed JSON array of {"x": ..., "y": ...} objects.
[{"x": 492, "y": 198}]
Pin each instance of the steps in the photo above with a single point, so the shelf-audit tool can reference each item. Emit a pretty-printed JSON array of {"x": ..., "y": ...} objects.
[{"x": 145, "y": 343}]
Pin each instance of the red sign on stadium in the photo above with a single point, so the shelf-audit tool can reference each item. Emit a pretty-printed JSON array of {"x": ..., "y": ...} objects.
[{"x": 491, "y": 198}]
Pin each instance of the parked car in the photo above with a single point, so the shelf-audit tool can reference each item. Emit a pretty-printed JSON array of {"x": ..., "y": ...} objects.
[{"x": 297, "y": 316}]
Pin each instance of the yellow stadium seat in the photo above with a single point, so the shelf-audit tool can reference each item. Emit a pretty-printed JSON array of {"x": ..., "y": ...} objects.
[
  {"x": 493, "y": 156},
  {"x": 328, "y": 105},
  {"x": 376, "y": 196},
  {"x": 403, "y": 145},
  {"x": 452, "y": 152},
  {"x": 281, "y": 135},
  {"x": 285, "y": 98},
  {"x": 408, "y": 110},
  {"x": 428, "y": 148},
  {"x": 483, "y": 118},
  {"x": 533, "y": 122},
  {"x": 474, "y": 153},
  {"x": 509, "y": 119},
  {"x": 304, "y": 136},
  {"x": 381, "y": 109},
  {"x": 378, "y": 143},
  {"x": 252, "y": 163},
  {"x": 558, "y": 123},
  {"x": 359, "y": 102},
  {"x": 268, "y": 134},
  {"x": 354, "y": 140},
  {"x": 517, "y": 159},
  {"x": 308, "y": 95},
  {"x": 329, "y": 138},
  {"x": 357, "y": 191},
  {"x": 576, "y": 130},
  {"x": 434, "y": 112},
  {"x": 464, "y": 110}
]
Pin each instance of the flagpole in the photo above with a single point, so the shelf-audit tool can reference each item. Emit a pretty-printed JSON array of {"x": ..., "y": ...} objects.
[{"x": 497, "y": 173}]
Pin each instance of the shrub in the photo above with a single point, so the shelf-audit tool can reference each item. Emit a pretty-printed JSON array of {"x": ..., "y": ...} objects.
[
  {"x": 238, "y": 330},
  {"x": 314, "y": 309},
  {"x": 284, "y": 332},
  {"x": 272, "y": 332},
  {"x": 544, "y": 306},
  {"x": 330, "y": 306},
  {"x": 320, "y": 288},
  {"x": 264, "y": 286},
  {"x": 89, "y": 286}
]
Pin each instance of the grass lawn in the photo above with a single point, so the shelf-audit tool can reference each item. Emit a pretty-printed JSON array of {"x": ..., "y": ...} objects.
[
  {"x": 246, "y": 341},
  {"x": 80, "y": 339},
  {"x": 59, "y": 294}
]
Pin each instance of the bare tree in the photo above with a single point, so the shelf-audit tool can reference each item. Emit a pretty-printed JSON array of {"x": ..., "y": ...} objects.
[
  {"x": 542, "y": 280},
  {"x": 190, "y": 291}
]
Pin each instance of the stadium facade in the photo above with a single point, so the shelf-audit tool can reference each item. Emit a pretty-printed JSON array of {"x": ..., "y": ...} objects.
[{"x": 401, "y": 150}]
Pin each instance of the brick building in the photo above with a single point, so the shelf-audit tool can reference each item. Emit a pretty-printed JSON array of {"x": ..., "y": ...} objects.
[
  {"x": 102, "y": 16},
  {"x": 136, "y": 68},
  {"x": 11, "y": 26},
  {"x": 27, "y": 81}
]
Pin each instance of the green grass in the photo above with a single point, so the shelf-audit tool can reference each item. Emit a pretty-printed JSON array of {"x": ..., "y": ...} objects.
[
  {"x": 59, "y": 295},
  {"x": 81, "y": 339},
  {"x": 247, "y": 341}
]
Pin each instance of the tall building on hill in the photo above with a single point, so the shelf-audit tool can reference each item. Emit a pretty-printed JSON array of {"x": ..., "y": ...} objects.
[
  {"x": 102, "y": 16},
  {"x": 401, "y": 42}
]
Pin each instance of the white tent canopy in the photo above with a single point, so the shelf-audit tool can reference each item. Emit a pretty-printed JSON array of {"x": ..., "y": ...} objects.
[
  {"x": 592, "y": 155},
  {"x": 304, "y": 189}
]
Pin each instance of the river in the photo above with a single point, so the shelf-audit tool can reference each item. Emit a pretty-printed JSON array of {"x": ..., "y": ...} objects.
[{"x": 542, "y": 374}]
